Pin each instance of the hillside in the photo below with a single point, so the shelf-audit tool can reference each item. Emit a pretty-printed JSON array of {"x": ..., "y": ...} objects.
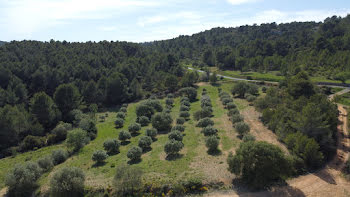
[{"x": 2, "y": 43}]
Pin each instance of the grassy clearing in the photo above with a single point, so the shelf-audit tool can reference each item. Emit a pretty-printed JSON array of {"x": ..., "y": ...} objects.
[
  {"x": 157, "y": 169},
  {"x": 343, "y": 99}
]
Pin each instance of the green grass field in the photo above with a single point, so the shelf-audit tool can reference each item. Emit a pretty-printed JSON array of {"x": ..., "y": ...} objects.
[
  {"x": 343, "y": 99},
  {"x": 195, "y": 162}
]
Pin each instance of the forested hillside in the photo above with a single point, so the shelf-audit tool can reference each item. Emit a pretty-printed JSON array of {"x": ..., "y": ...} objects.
[{"x": 319, "y": 48}]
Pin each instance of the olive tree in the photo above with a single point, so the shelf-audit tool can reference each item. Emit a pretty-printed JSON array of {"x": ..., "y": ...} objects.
[
  {"x": 45, "y": 163},
  {"x": 189, "y": 92},
  {"x": 59, "y": 156},
  {"x": 77, "y": 139},
  {"x": 111, "y": 146},
  {"x": 124, "y": 136},
  {"x": 152, "y": 132},
  {"x": 119, "y": 123},
  {"x": 145, "y": 143},
  {"x": 205, "y": 122},
  {"x": 134, "y": 154},
  {"x": 175, "y": 135},
  {"x": 99, "y": 156},
  {"x": 143, "y": 120},
  {"x": 242, "y": 128},
  {"x": 134, "y": 128},
  {"x": 68, "y": 181},
  {"x": 162, "y": 121},
  {"x": 173, "y": 147},
  {"x": 212, "y": 143},
  {"x": 209, "y": 130}
]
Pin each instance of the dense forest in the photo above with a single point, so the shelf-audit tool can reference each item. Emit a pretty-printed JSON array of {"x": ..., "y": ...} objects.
[{"x": 318, "y": 48}]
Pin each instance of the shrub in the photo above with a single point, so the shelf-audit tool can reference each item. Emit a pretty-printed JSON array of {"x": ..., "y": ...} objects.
[
  {"x": 121, "y": 115},
  {"x": 184, "y": 99},
  {"x": 125, "y": 105},
  {"x": 134, "y": 153},
  {"x": 144, "y": 110},
  {"x": 247, "y": 137},
  {"x": 226, "y": 100},
  {"x": 251, "y": 98},
  {"x": 123, "y": 109},
  {"x": 185, "y": 115},
  {"x": 173, "y": 147},
  {"x": 186, "y": 103},
  {"x": 236, "y": 118},
  {"x": 119, "y": 123},
  {"x": 207, "y": 131},
  {"x": 189, "y": 92},
  {"x": 67, "y": 181},
  {"x": 59, "y": 156},
  {"x": 242, "y": 128},
  {"x": 223, "y": 94},
  {"x": 259, "y": 164},
  {"x": 124, "y": 136},
  {"x": 143, "y": 120},
  {"x": 178, "y": 128},
  {"x": 180, "y": 121},
  {"x": 205, "y": 122},
  {"x": 162, "y": 121},
  {"x": 205, "y": 112},
  {"x": 89, "y": 125},
  {"x": 230, "y": 106},
  {"x": 22, "y": 179},
  {"x": 111, "y": 146},
  {"x": 99, "y": 156},
  {"x": 232, "y": 112},
  {"x": 175, "y": 135},
  {"x": 170, "y": 95},
  {"x": 169, "y": 101},
  {"x": 127, "y": 180},
  {"x": 145, "y": 142},
  {"x": 152, "y": 132},
  {"x": 77, "y": 139},
  {"x": 45, "y": 163},
  {"x": 184, "y": 108},
  {"x": 30, "y": 142},
  {"x": 264, "y": 89},
  {"x": 60, "y": 131},
  {"x": 134, "y": 128},
  {"x": 212, "y": 143}
]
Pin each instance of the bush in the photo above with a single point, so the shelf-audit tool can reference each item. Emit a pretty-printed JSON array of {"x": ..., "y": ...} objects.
[
  {"x": 185, "y": 115},
  {"x": 247, "y": 137},
  {"x": 127, "y": 180},
  {"x": 99, "y": 156},
  {"x": 124, "y": 136},
  {"x": 121, "y": 115},
  {"x": 264, "y": 89},
  {"x": 60, "y": 131},
  {"x": 89, "y": 125},
  {"x": 134, "y": 128},
  {"x": 242, "y": 128},
  {"x": 184, "y": 99},
  {"x": 173, "y": 147},
  {"x": 31, "y": 142},
  {"x": 162, "y": 121},
  {"x": 251, "y": 98},
  {"x": 145, "y": 142},
  {"x": 223, "y": 94},
  {"x": 208, "y": 131},
  {"x": 152, "y": 132},
  {"x": 230, "y": 106},
  {"x": 232, "y": 112},
  {"x": 144, "y": 110},
  {"x": 134, "y": 153},
  {"x": 22, "y": 180},
  {"x": 59, "y": 156},
  {"x": 67, "y": 181},
  {"x": 143, "y": 120},
  {"x": 119, "y": 123},
  {"x": 185, "y": 103},
  {"x": 77, "y": 139},
  {"x": 189, "y": 92},
  {"x": 212, "y": 143},
  {"x": 259, "y": 164},
  {"x": 45, "y": 163},
  {"x": 169, "y": 101},
  {"x": 111, "y": 146},
  {"x": 125, "y": 105},
  {"x": 184, "y": 108},
  {"x": 175, "y": 135},
  {"x": 123, "y": 109},
  {"x": 226, "y": 100},
  {"x": 205, "y": 112},
  {"x": 170, "y": 96},
  {"x": 177, "y": 127},
  {"x": 180, "y": 121},
  {"x": 236, "y": 118},
  {"x": 205, "y": 122}
]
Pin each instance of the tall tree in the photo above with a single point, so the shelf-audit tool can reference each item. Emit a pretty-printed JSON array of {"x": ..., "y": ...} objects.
[{"x": 67, "y": 98}]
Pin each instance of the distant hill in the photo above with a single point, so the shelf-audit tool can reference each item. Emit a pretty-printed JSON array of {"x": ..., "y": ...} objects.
[{"x": 2, "y": 43}]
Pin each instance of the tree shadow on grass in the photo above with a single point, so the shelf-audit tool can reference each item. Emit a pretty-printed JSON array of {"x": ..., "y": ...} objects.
[
  {"x": 146, "y": 150},
  {"x": 173, "y": 157},
  {"x": 125, "y": 143},
  {"x": 132, "y": 162},
  {"x": 99, "y": 164},
  {"x": 216, "y": 152},
  {"x": 113, "y": 153},
  {"x": 135, "y": 134}
]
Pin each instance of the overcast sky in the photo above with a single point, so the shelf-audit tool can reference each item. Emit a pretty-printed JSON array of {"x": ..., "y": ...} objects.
[{"x": 148, "y": 20}]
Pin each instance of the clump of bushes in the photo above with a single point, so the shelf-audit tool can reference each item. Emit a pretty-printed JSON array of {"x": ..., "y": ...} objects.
[
  {"x": 67, "y": 181},
  {"x": 45, "y": 163},
  {"x": 143, "y": 120}
]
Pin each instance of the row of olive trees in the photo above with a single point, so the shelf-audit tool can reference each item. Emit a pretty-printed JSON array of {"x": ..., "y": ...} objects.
[
  {"x": 205, "y": 122},
  {"x": 237, "y": 120}
]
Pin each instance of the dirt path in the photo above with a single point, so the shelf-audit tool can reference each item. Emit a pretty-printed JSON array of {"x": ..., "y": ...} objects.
[{"x": 258, "y": 129}]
